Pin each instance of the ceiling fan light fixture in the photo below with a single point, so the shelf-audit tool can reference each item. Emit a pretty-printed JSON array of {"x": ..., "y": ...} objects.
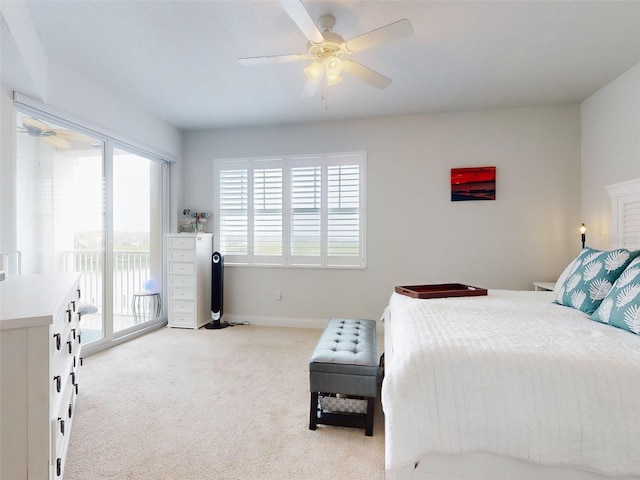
[
  {"x": 334, "y": 66},
  {"x": 333, "y": 79},
  {"x": 313, "y": 71}
]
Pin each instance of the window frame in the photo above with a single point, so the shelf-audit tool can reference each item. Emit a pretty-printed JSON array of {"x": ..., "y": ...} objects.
[{"x": 287, "y": 163}]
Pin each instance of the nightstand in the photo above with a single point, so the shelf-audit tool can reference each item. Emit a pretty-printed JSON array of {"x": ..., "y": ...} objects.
[{"x": 544, "y": 286}]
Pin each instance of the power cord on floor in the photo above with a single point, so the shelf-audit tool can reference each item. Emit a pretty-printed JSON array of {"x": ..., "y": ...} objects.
[{"x": 236, "y": 324}]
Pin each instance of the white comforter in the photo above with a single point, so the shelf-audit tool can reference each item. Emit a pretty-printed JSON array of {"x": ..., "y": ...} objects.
[{"x": 512, "y": 374}]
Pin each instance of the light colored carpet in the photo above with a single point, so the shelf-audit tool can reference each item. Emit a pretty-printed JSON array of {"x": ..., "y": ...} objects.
[{"x": 199, "y": 405}]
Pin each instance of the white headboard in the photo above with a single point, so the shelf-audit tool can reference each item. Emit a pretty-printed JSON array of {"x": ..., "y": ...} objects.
[{"x": 625, "y": 214}]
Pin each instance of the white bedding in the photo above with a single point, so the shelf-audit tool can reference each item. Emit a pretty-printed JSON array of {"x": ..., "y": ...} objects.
[{"x": 510, "y": 374}]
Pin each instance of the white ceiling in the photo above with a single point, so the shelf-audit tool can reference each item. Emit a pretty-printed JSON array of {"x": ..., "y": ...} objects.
[{"x": 179, "y": 59}]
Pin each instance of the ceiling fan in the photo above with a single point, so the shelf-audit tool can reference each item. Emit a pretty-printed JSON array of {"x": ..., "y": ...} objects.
[
  {"x": 327, "y": 49},
  {"x": 56, "y": 137}
]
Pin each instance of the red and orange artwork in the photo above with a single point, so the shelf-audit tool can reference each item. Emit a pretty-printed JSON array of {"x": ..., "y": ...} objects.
[{"x": 476, "y": 183}]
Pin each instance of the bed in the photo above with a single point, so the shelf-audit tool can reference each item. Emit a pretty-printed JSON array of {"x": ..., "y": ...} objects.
[{"x": 517, "y": 385}]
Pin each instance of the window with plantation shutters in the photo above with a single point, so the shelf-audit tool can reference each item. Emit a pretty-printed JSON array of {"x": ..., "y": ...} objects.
[{"x": 292, "y": 211}]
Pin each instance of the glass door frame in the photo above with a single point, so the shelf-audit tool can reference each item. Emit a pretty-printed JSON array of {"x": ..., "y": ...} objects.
[
  {"x": 110, "y": 337},
  {"x": 24, "y": 105},
  {"x": 110, "y": 246}
]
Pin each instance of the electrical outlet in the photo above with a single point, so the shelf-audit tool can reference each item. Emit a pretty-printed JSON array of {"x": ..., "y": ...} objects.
[{"x": 277, "y": 295}]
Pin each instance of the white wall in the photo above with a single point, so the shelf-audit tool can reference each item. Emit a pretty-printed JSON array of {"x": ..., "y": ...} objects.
[
  {"x": 415, "y": 234},
  {"x": 610, "y": 149},
  {"x": 90, "y": 102}
]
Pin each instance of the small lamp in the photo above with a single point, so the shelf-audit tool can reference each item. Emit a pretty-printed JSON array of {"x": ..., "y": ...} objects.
[{"x": 583, "y": 233}]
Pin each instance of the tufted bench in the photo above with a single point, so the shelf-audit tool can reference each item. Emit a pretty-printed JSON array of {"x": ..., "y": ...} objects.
[{"x": 345, "y": 362}]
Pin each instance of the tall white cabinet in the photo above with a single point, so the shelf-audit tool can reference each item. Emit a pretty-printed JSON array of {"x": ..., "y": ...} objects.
[
  {"x": 39, "y": 362},
  {"x": 189, "y": 274}
]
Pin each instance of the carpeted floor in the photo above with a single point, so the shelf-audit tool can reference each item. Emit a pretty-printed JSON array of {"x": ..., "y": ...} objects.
[{"x": 207, "y": 405}]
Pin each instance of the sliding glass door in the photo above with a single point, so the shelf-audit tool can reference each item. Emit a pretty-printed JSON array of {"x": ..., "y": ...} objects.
[
  {"x": 60, "y": 208},
  {"x": 91, "y": 205},
  {"x": 137, "y": 240}
]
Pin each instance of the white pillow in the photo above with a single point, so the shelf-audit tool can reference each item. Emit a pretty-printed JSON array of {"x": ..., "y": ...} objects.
[{"x": 568, "y": 270}]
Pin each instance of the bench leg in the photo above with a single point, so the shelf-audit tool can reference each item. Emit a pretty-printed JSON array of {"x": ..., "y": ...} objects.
[
  {"x": 371, "y": 402},
  {"x": 313, "y": 411}
]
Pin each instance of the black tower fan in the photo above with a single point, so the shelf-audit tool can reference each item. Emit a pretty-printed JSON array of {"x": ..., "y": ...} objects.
[{"x": 217, "y": 281}]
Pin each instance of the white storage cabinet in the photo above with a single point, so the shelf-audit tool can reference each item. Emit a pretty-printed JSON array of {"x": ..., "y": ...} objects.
[
  {"x": 189, "y": 274},
  {"x": 39, "y": 362}
]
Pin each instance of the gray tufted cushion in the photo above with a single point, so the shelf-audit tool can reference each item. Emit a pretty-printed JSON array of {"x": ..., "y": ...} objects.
[{"x": 346, "y": 358}]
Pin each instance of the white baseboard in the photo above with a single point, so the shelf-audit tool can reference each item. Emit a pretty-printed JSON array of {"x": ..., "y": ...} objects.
[
  {"x": 277, "y": 321},
  {"x": 317, "y": 323}
]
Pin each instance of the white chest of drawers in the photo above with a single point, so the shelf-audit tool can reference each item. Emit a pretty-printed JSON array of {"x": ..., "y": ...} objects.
[
  {"x": 189, "y": 274},
  {"x": 39, "y": 362}
]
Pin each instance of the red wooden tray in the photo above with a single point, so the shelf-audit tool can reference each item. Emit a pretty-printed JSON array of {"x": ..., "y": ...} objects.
[{"x": 441, "y": 290}]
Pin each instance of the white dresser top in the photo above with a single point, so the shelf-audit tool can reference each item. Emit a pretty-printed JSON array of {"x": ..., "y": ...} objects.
[{"x": 32, "y": 300}]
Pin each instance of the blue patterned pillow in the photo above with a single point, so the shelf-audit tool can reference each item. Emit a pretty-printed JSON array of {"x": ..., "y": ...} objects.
[
  {"x": 592, "y": 276},
  {"x": 621, "y": 306}
]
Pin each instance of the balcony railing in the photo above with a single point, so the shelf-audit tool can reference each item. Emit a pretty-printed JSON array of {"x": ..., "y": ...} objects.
[{"x": 132, "y": 270}]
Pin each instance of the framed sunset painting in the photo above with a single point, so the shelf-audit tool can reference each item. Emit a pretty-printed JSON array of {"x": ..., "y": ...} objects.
[{"x": 475, "y": 183}]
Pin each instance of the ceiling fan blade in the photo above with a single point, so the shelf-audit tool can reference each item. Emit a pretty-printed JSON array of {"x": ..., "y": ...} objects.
[
  {"x": 311, "y": 87},
  {"x": 294, "y": 57},
  {"x": 57, "y": 141},
  {"x": 301, "y": 17},
  {"x": 35, "y": 123},
  {"x": 366, "y": 74},
  {"x": 73, "y": 136},
  {"x": 393, "y": 31}
]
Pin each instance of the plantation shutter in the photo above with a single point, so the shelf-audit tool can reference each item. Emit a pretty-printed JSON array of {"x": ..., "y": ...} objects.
[
  {"x": 233, "y": 211},
  {"x": 267, "y": 208},
  {"x": 631, "y": 223},
  {"x": 292, "y": 211},
  {"x": 625, "y": 218},
  {"x": 306, "y": 198},
  {"x": 343, "y": 210}
]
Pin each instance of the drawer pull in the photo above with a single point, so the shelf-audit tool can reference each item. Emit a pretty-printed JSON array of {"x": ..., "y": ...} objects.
[
  {"x": 58, "y": 467},
  {"x": 76, "y": 387},
  {"x": 78, "y": 290},
  {"x": 57, "y": 379},
  {"x": 70, "y": 412},
  {"x": 61, "y": 425},
  {"x": 69, "y": 315},
  {"x": 81, "y": 361},
  {"x": 73, "y": 332},
  {"x": 73, "y": 378},
  {"x": 73, "y": 305},
  {"x": 79, "y": 338},
  {"x": 57, "y": 337},
  {"x": 69, "y": 346}
]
